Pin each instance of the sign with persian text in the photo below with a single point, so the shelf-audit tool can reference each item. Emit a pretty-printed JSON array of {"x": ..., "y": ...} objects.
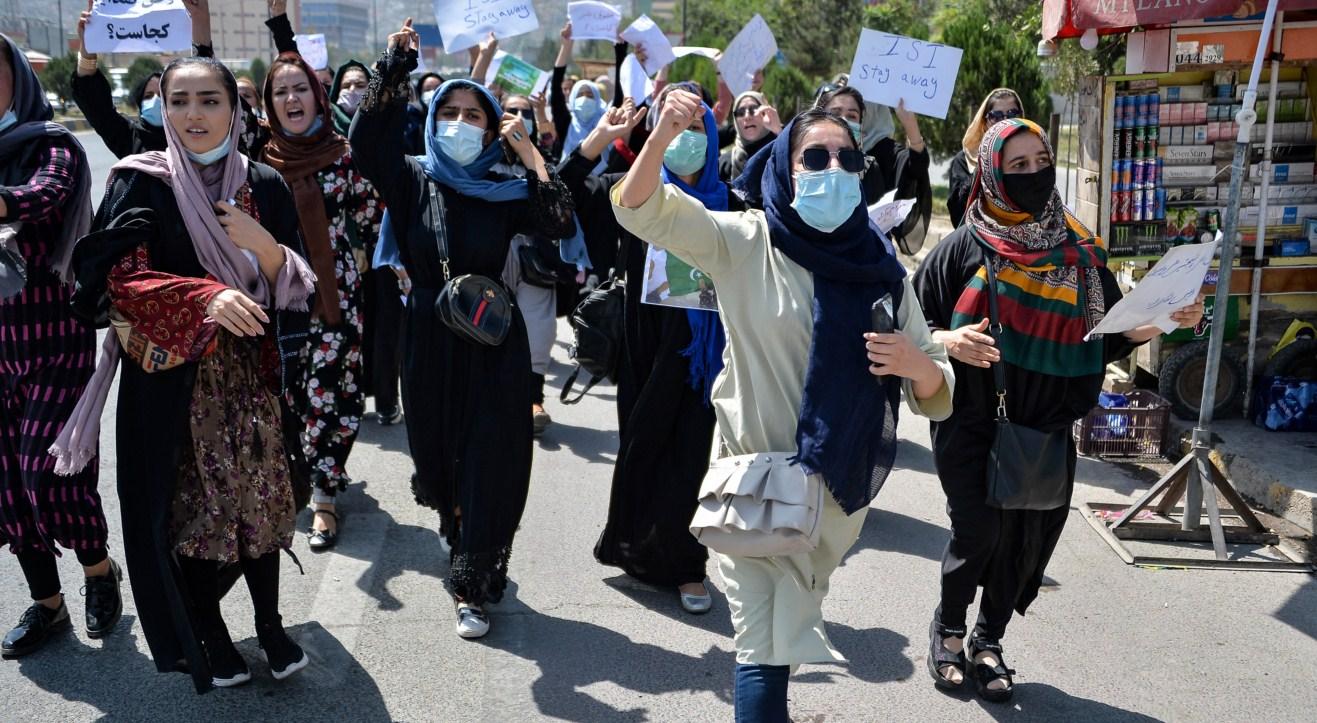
[{"x": 139, "y": 26}]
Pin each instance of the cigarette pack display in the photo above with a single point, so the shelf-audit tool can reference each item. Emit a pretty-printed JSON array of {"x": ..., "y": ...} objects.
[
  {"x": 1188, "y": 175},
  {"x": 1186, "y": 155},
  {"x": 1284, "y": 89},
  {"x": 1200, "y": 135},
  {"x": 1176, "y": 93}
]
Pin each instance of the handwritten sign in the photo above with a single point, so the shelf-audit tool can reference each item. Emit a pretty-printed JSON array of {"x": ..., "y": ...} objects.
[
  {"x": 891, "y": 68},
  {"x": 889, "y": 213},
  {"x": 669, "y": 281},
  {"x": 747, "y": 54},
  {"x": 464, "y": 23},
  {"x": 682, "y": 51},
  {"x": 519, "y": 77},
  {"x": 648, "y": 38},
  {"x": 139, "y": 26},
  {"x": 1173, "y": 283},
  {"x": 594, "y": 20},
  {"x": 313, "y": 50}
]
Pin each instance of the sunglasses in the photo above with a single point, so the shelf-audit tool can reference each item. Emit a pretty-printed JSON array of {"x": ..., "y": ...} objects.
[
  {"x": 997, "y": 116},
  {"x": 523, "y": 112},
  {"x": 818, "y": 159},
  {"x": 745, "y": 110}
]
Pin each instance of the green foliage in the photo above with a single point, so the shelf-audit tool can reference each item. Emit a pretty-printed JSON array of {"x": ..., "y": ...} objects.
[
  {"x": 901, "y": 17},
  {"x": 789, "y": 89},
  {"x": 57, "y": 76},
  {"x": 817, "y": 36},
  {"x": 258, "y": 69},
  {"x": 142, "y": 67},
  {"x": 1000, "y": 40}
]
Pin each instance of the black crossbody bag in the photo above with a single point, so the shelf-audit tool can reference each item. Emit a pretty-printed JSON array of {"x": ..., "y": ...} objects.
[
  {"x": 1027, "y": 469},
  {"x": 476, "y": 308}
]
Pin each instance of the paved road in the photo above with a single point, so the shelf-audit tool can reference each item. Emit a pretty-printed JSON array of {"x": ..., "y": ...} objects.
[{"x": 577, "y": 641}]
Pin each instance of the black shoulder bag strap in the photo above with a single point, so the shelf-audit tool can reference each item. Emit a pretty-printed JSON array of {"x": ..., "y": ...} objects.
[
  {"x": 440, "y": 226},
  {"x": 995, "y": 331},
  {"x": 571, "y": 382}
]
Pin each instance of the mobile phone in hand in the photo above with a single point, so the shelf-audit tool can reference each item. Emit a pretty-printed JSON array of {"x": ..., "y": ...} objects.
[{"x": 882, "y": 317}]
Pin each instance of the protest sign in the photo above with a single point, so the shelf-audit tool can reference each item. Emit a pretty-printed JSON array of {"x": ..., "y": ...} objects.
[
  {"x": 313, "y": 50},
  {"x": 891, "y": 68},
  {"x": 669, "y": 281},
  {"x": 634, "y": 83},
  {"x": 889, "y": 213},
  {"x": 139, "y": 26},
  {"x": 748, "y": 53},
  {"x": 464, "y": 23},
  {"x": 648, "y": 38},
  {"x": 682, "y": 51},
  {"x": 518, "y": 77},
  {"x": 593, "y": 20},
  {"x": 1172, "y": 284}
]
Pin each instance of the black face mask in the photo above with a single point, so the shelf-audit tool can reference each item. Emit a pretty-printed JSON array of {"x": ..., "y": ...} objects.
[{"x": 1031, "y": 192}]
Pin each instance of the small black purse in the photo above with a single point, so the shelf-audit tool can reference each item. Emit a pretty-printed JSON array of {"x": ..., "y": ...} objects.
[
  {"x": 476, "y": 308},
  {"x": 541, "y": 264},
  {"x": 13, "y": 267},
  {"x": 1027, "y": 469}
]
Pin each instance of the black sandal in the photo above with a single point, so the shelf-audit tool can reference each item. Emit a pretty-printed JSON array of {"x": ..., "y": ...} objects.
[
  {"x": 321, "y": 540},
  {"x": 985, "y": 674},
  {"x": 939, "y": 658}
]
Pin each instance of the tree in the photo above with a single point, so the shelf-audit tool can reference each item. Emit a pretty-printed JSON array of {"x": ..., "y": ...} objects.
[
  {"x": 901, "y": 17},
  {"x": 141, "y": 68},
  {"x": 258, "y": 70},
  {"x": 817, "y": 36},
  {"x": 788, "y": 89},
  {"x": 999, "y": 38},
  {"x": 57, "y": 77}
]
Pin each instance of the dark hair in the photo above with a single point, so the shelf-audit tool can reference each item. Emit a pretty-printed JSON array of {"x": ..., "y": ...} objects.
[
  {"x": 470, "y": 86},
  {"x": 813, "y": 117},
  {"x": 139, "y": 90},
  {"x": 227, "y": 80},
  {"x": 826, "y": 98},
  {"x": 1001, "y": 94},
  {"x": 421, "y": 81}
]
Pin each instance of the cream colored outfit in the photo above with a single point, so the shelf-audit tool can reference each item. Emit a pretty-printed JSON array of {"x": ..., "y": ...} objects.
[{"x": 766, "y": 303}]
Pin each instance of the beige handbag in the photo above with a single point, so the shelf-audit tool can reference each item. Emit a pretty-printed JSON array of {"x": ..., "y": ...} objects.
[{"x": 758, "y": 505}]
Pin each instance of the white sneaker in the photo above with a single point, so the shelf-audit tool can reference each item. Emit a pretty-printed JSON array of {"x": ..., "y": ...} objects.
[{"x": 472, "y": 622}]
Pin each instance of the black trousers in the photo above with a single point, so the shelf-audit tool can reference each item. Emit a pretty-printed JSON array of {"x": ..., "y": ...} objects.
[
  {"x": 42, "y": 574},
  {"x": 383, "y": 336},
  {"x": 203, "y": 587}
]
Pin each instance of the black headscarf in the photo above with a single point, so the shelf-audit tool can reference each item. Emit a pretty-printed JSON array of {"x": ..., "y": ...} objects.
[
  {"x": 32, "y": 131},
  {"x": 341, "y": 119},
  {"x": 139, "y": 90},
  {"x": 847, "y": 426}
]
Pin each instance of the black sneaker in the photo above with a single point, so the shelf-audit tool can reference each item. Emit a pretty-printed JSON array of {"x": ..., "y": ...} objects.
[
  {"x": 284, "y": 656},
  {"x": 34, "y": 627},
  {"x": 227, "y": 667},
  {"x": 389, "y": 417},
  {"x": 104, "y": 604}
]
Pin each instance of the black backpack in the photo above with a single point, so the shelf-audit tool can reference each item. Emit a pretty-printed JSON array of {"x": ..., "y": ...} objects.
[{"x": 598, "y": 321}]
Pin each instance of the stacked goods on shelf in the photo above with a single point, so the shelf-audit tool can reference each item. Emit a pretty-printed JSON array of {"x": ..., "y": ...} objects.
[{"x": 1138, "y": 200}]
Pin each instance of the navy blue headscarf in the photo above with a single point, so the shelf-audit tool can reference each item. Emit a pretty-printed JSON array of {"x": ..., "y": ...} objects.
[
  {"x": 847, "y": 426},
  {"x": 708, "y": 338}
]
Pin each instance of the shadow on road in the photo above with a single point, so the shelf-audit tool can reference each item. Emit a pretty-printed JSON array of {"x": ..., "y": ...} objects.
[
  {"x": 121, "y": 683},
  {"x": 1300, "y": 611},
  {"x": 666, "y": 603},
  {"x": 1042, "y": 702},
  {"x": 875, "y": 655},
  {"x": 598, "y": 446},
  {"x": 889, "y": 531}
]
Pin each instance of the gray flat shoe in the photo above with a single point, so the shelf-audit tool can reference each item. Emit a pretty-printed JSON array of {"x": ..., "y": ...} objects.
[{"x": 696, "y": 604}]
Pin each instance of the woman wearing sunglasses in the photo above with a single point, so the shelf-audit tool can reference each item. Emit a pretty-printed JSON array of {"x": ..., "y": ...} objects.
[
  {"x": 757, "y": 124},
  {"x": 806, "y": 380},
  {"x": 1001, "y": 104}
]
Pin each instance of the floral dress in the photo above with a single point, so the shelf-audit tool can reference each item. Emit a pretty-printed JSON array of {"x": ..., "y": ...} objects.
[
  {"x": 234, "y": 497},
  {"x": 331, "y": 399}
]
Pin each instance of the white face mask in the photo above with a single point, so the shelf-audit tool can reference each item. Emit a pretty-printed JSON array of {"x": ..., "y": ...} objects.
[
  {"x": 348, "y": 100},
  {"x": 427, "y": 96},
  {"x": 460, "y": 141}
]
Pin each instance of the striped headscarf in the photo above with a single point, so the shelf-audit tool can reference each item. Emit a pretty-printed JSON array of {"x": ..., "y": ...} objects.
[{"x": 1048, "y": 285}]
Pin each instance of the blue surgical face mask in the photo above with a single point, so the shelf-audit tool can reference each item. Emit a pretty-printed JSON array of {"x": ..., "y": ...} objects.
[
  {"x": 856, "y": 130},
  {"x": 151, "y": 112},
  {"x": 686, "y": 153},
  {"x": 586, "y": 109},
  {"x": 7, "y": 120},
  {"x": 529, "y": 126},
  {"x": 316, "y": 125},
  {"x": 460, "y": 141},
  {"x": 826, "y": 199},
  {"x": 212, "y": 155}
]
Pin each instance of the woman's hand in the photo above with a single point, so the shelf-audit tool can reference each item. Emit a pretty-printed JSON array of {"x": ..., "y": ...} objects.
[
  {"x": 910, "y": 124},
  {"x": 538, "y": 103},
  {"x": 613, "y": 124},
  {"x": 245, "y": 232},
  {"x": 896, "y": 355},
  {"x": 83, "y": 19},
  {"x": 405, "y": 39},
  {"x": 277, "y": 7},
  {"x": 514, "y": 134},
  {"x": 1189, "y": 316},
  {"x": 236, "y": 312},
  {"x": 970, "y": 345},
  {"x": 769, "y": 119},
  {"x": 680, "y": 108}
]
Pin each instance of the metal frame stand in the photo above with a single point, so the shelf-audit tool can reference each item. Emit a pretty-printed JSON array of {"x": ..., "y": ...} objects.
[{"x": 1197, "y": 478}]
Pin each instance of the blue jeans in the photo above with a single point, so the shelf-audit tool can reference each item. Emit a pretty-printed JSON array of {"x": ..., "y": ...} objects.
[{"x": 761, "y": 693}]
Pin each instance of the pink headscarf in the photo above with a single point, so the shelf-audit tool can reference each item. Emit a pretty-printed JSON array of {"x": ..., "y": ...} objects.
[{"x": 195, "y": 190}]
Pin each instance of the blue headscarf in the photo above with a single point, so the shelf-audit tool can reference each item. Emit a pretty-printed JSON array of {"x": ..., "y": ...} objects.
[
  {"x": 847, "y": 426},
  {"x": 707, "y": 335}
]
